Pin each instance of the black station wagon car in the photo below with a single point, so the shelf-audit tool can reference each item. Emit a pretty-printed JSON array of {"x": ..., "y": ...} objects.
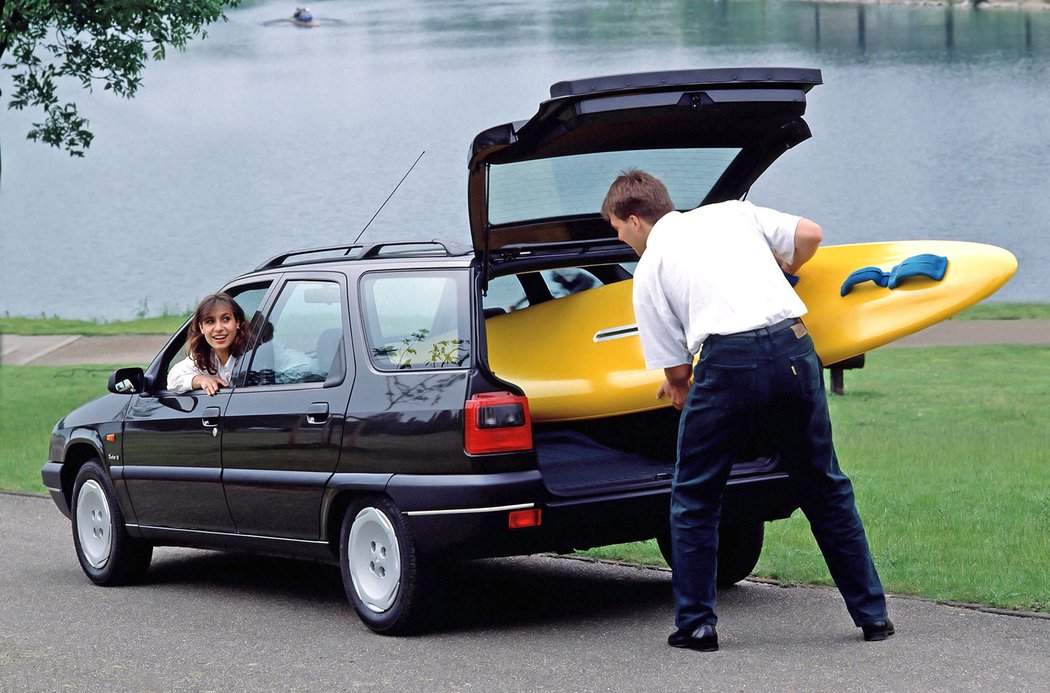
[{"x": 392, "y": 444}]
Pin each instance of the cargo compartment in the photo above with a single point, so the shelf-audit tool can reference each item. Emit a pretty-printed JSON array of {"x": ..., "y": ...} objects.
[
  {"x": 612, "y": 454},
  {"x": 551, "y": 344}
]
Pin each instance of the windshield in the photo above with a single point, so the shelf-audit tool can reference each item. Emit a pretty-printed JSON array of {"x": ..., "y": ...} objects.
[{"x": 576, "y": 185}]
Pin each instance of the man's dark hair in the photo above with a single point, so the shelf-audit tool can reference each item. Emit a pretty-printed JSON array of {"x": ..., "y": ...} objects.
[{"x": 638, "y": 193}]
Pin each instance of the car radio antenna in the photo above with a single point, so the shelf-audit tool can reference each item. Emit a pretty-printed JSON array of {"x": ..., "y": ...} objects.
[{"x": 389, "y": 196}]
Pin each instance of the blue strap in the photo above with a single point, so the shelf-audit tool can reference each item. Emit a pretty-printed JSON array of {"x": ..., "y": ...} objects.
[
  {"x": 925, "y": 265},
  {"x": 864, "y": 274},
  {"x": 792, "y": 278}
]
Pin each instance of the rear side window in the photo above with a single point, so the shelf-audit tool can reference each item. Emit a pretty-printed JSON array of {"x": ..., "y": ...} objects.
[
  {"x": 416, "y": 320},
  {"x": 516, "y": 291}
]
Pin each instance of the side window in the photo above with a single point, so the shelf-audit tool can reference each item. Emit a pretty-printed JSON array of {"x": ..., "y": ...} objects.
[
  {"x": 416, "y": 320},
  {"x": 300, "y": 341},
  {"x": 505, "y": 294},
  {"x": 250, "y": 298},
  {"x": 572, "y": 280},
  {"x": 514, "y": 292}
]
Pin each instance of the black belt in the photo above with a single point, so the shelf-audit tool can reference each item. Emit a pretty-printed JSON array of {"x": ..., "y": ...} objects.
[{"x": 784, "y": 324}]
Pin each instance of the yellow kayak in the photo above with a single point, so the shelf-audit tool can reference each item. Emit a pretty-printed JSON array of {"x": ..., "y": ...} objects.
[{"x": 859, "y": 297}]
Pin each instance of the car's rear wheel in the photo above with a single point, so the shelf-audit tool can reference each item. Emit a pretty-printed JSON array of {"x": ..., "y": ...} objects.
[
  {"x": 739, "y": 546},
  {"x": 107, "y": 553},
  {"x": 380, "y": 567}
]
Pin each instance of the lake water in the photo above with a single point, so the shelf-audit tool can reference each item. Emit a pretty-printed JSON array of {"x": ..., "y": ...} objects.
[{"x": 932, "y": 123}]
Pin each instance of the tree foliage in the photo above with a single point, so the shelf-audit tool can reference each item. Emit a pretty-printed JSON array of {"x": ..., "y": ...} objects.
[{"x": 46, "y": 43}]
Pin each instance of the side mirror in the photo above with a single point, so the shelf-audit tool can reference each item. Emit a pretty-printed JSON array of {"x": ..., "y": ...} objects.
[{"x": 127, "y": 381}]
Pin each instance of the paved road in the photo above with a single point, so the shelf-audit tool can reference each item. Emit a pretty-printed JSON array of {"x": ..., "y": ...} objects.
[{"x": 210, "y": 621}]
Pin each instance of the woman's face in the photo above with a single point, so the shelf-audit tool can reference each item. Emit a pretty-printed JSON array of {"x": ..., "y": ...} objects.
[{"x": 219, "y": 327}]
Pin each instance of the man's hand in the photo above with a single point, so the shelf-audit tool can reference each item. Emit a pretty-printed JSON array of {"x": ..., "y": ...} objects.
[{"x": 676, "y": 384}]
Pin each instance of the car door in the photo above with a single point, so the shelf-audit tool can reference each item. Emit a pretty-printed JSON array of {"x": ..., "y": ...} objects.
[
  {"x": 172, "y": 445},
  {"x": 282, "y": 428}
]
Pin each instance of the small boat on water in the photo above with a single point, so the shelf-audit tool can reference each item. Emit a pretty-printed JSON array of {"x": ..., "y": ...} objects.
[{"x": 304, "y": 17}]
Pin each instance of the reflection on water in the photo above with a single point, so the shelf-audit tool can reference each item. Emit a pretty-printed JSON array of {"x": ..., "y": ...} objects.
[{"x": 267, "y": 136}]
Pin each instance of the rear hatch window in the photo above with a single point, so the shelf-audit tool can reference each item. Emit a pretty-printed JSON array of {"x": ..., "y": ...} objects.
[{"x": 576, "y": 185}]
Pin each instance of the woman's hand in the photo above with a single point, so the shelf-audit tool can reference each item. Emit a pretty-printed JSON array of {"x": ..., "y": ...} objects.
[{"x": 209, "y": 383}]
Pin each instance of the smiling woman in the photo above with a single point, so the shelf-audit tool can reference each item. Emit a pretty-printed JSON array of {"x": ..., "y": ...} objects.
[{"x": 217, "y": 336}]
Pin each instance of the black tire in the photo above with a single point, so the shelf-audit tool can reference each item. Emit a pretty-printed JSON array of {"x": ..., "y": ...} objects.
[
  {"x": 739, "y": 547},
  {"x": 663, "y": 542},
  {"x": 108, "y": 555},
  {"x": 380, "y": 567}
]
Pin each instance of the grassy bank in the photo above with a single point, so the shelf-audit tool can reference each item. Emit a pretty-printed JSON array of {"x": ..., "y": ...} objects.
[
  {"x": 947, "y": 448},
  {"x": 949, "y": 451},
  {"x": 32, "y": 400},
  {"x": 1005, "y": 311},
  {"x": 164, "y": 324}
]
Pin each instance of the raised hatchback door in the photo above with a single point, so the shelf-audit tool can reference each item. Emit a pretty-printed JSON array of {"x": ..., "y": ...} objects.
[{"x": 538, "y": 186}]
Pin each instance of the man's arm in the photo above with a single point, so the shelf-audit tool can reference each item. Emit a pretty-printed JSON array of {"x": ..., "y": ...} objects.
[
  {"x": 676, "y": 385},
  {"x": 808, "y": 237}
]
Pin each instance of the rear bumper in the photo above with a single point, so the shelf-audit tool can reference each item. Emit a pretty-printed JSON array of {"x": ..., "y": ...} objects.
[{"x": 467, "y": 516}]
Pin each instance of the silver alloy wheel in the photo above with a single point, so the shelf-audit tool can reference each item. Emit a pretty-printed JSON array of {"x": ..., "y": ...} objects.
[
  {"x": 374, "y": 559},
  {"x": 94, "y": 524}
]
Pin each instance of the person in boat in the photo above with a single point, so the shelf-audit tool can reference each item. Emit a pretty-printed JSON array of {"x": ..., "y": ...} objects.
[
  {"x": 303, "y": 14},
  {"x": 712, "y": 277}
]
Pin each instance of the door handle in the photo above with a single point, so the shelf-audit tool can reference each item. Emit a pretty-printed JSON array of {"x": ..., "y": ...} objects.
[
  {"x": 210, "y": 416},
  {"x": 317, "y": 413}
]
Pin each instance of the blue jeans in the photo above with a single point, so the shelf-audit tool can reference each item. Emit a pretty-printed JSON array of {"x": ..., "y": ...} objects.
[{"x": 744, "y": 386}]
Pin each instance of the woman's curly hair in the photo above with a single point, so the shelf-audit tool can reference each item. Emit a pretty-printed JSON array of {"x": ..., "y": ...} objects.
[{"x": 197, "y": 346}]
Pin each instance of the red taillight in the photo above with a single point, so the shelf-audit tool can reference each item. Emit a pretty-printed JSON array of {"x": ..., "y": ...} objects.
[
  {"x": 518, "y": 519},
  {"x": 496, "y": 422}
]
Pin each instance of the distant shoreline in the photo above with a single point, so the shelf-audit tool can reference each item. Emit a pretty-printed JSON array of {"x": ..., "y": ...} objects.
[{"x": 1024, "y": 5}]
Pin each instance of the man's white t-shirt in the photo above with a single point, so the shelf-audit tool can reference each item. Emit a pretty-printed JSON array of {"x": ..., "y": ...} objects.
[{"x": 709, "y": 271}]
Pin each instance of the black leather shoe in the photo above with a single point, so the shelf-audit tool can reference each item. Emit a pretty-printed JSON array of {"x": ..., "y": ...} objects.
[
  {"x": 880, "y": 630},
  {"x": 702, "y": 639}
]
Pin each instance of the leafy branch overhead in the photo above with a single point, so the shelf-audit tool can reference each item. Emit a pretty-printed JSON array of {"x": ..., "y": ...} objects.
[{"x": 44, "y": 43}]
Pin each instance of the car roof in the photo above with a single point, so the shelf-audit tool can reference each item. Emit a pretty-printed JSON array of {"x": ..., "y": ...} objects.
[{"x": 535, "y": 187}]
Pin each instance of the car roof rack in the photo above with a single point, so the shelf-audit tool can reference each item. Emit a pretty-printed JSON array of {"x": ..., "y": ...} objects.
[{"x": 358, "y": 251}]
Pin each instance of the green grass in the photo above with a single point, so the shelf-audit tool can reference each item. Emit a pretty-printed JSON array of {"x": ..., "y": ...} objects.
[
  {"x": 949, "y": 451},
  {"x": 32, "y": 400},
  {"x": 947, "y": 447},
  {"x": 991, "y": 310},
  {"x": 164, "y": 324}
]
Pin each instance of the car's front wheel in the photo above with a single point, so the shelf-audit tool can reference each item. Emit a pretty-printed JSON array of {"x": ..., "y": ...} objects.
[
  {"x": 380, "y": 567},
  {"x": 107, "y": 553}
]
